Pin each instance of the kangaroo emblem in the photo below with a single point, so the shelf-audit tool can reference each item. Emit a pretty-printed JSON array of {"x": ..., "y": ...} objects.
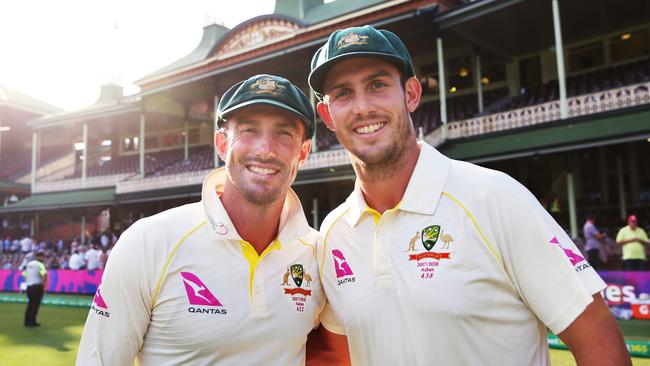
[
  {"x": 413, "y": 242},
  {"x": 285, "y": 278}
]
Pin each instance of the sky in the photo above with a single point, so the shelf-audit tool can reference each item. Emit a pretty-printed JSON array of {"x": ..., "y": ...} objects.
[{"x": 62, "y": 51}]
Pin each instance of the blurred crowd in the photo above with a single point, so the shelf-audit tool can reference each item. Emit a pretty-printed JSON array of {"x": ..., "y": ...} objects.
[{"x": 16, "y": 252}]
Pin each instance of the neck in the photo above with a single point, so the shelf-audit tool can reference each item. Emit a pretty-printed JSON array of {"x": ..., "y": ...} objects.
[
  {"x": 383, "y": 186},
  {"x": 256, "y": 224}
]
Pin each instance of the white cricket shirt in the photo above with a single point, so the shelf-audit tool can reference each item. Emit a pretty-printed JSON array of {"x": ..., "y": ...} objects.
[
  {"x": 468, "y": 269},
  {"x": 183, "y": 288}
]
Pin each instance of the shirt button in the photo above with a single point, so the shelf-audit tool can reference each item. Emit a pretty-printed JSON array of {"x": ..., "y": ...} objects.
[
  {"x": 382, "y": 258},
  {"x": 382, "y": 231}
]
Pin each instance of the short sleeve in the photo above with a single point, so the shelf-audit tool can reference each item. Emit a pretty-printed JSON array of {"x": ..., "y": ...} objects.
[
  {"x": 621, "y": 235},
  {"x": 547, "y": 269},
  {"x": 121, "y": 309},
  {"x": 330, "y": 321}
]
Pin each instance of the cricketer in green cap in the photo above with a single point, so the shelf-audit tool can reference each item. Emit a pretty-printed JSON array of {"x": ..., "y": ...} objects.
[
  {"x": 267, "y": 89},
  {"x": 357, "y": 42}
]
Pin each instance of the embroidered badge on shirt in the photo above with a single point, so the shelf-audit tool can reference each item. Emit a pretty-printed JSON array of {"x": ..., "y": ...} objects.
[
  {"x": 343, "y": 271},
  {"x": 299, "y": 277},
  {"x": 99, "y": 305},
  {"x": 575, "y": 259},
  {"x": 199, "y": 294},
  {"x": 427, "y": 261}
]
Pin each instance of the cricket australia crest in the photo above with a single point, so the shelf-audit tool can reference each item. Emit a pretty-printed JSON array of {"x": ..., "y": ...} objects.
[
  {"x": 298, "y": 294},
  {"x": 351, "y": 39},
  {"x": 267, "y": 86},
  {"x": 430, "y": 236},
  {"x": 427, "y": 262}
]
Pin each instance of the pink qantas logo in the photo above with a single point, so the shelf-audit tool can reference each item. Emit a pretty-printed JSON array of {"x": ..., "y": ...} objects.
[
  {"x": 197, "y": 292},
  {"x": 99, "y": 300},
  {"x": 573, "y": 257},
  {"x": 340, "y": 264}
]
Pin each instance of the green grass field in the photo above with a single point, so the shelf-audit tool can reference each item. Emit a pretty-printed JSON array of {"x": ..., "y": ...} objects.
[{"x": 56, "y": 342}]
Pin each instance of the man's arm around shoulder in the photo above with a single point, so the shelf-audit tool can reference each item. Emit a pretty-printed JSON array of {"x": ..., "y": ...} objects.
[{"x": 594, "y": 337}]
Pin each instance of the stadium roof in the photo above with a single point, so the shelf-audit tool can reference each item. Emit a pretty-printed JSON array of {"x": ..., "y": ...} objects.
[
  {"x": 607, "y": 128},
  {"x": 110, "y": 102},
  {"x": 295, "y": 34},
  {"x": 60, "y": 200},
  {"x": 18, "y": 100},
  {"x": 514, "y": 27}
]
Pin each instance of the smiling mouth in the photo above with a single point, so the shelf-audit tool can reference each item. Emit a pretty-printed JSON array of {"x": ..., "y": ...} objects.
[
  {"x": 370, "y": 128},
  {"x": 261, "y": 170}
]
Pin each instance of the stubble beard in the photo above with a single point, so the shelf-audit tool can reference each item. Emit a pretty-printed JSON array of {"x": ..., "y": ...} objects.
[
  {"x": 251, "y": 193},
  {"x": 386, "y": 163}
]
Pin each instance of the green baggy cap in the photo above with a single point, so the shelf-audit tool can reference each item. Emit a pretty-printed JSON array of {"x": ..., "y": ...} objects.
[
  {"x": 356, "y": 42},
  {"x": 267, "y": 89}
]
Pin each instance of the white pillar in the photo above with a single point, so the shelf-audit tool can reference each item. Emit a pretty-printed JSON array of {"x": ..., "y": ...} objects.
[
  {"x": 83, "y": 229},
  {"x": 559, "y": 57},
  {"x": 141, "y": 142},
  {"x": 186, "y": 133},
  {"x": 442, "y": 85},
  {"x": 621, "y": 188},
  {"x": 32, "y": 227},
  {"x": 571, "y": 197},
  {"x": 214, "y": 135},
  {"x": 84, "y": 161},
  {"x": 312, "y": 100},
  {"x": 314, "y": 213},
  {"x": 477, "y": 79},
  {"x": 34, "y": 155}
]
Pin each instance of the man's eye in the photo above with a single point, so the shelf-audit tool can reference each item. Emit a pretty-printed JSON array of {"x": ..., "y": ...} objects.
[
  {"x": 378, "y": 84},
  {"x": 342, "y": 93}
]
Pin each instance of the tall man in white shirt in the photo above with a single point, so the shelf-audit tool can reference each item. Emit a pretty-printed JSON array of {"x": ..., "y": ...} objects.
[
  {"x": 35, "y": 276},
  {"x": 436, "y": 261},
  {"x": 230, "y": 280}
]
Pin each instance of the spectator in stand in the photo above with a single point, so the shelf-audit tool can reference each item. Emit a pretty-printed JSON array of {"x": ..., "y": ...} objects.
[
  {"x": 633, "y": 239},
  {"x": 593, "y": 241},
  {"x": 105, "y": 240},
  {"x": 7, "y": 244},
  {"x": 26, "y": 244},
  {"x": 64, "y": 261},
  {"x": 15, "y": 246},
  {"x": 77, "y": 260},
  {"x": 92, "y": 257}
]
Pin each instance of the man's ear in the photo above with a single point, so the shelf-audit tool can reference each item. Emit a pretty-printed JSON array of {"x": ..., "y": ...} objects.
[
  {"x": 305, "y": 149},
  {"x": 413, "y": 93},
  {"x": 324, "y": 113},
  {"x": 221, "y": 142}
]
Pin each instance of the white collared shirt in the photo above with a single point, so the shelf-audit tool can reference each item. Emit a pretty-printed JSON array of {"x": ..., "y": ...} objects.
[
  {"x": 468, "y": 269},
  {"x": 182, "y": 288}
]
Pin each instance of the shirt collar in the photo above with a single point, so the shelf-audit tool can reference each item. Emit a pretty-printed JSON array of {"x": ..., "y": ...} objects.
[
  {"x": 422, "y": 192},
  {"x": 293, "y": 223}
]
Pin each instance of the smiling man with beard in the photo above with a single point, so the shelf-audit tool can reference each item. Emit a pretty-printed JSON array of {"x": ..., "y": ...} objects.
[
  {"x": 432, "y": 261},
  {"x": 202, "y": 284}
]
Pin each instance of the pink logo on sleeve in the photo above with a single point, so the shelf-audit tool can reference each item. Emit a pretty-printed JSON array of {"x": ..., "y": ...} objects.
[
  {"x": 573, "y": 257},
  {"x": 99, "y": 300},
  {"x": 340, "y": 264},
  {"x": 197, "y": 292}
]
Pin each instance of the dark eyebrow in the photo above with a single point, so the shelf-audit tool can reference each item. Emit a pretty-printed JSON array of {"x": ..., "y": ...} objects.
[{"x": 343, "y": 84}]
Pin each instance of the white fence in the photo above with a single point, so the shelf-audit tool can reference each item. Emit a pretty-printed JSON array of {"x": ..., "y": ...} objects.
[
  {"x": 164, "y": 181},
  {"x": 77, "y": 183},
  {"x": 602, "y": 101}
]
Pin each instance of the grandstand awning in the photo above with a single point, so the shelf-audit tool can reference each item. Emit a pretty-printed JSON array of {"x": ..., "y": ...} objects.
[
  {"x": 582, "y": 132},
  {"x": 60, "y": 200}
]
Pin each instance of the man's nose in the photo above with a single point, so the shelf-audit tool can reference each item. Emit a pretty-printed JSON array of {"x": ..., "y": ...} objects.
[
  {"x": 362, "y": 104},
  {"x": 265, "y": 146}
]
